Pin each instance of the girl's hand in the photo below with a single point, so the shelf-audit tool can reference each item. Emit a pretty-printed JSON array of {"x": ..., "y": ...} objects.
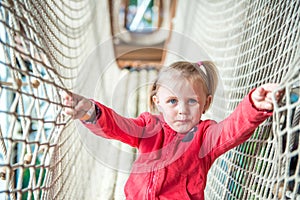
[
  {"x": 262, "y": 96},
  {"x": 76, "y": 106}
]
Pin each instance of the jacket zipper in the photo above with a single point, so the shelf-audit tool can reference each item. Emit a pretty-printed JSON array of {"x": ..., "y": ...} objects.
[
  {"x": 150, "y": 185},
  {"x": 149, "y": 191}
]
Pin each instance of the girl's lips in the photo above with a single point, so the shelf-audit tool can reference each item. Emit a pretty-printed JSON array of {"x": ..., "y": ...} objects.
[{"x": 182, "y": 120}]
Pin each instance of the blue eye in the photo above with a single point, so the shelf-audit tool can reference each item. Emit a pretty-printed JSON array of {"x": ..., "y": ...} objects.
[
  {"x": 192, "y": 101},
  {"x": 172, "y": 101}
]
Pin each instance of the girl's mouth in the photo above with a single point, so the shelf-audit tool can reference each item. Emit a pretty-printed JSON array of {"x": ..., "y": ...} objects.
[{"x": 182, "y": 120}]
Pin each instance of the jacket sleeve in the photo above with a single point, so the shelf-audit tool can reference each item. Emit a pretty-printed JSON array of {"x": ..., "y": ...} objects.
[
  {"x": 234, "y": 130},
  {"x": 111, "y": 125}
]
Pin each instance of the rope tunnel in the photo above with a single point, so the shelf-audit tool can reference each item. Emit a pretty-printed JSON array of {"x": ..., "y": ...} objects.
[{"x": 111, "y": 51}]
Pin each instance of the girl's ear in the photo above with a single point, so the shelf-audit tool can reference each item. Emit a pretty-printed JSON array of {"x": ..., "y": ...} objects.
[
  {"x": 156, "y": 102},
  {"x": 155, "y": 99},
  {"x": 207, "y": 103}
]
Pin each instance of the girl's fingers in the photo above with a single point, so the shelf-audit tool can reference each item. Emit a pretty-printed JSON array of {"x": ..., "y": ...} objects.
[
  {"x": 270, "y": 87},
  {"x": 256, "y": 95},
  {"x": 265, "y": 105},
  {"x": 262, "y": 96},
  {"x": 269, "y": 97},
  {"x": 76, "y": 105},
  {"x": 268, "y": 106},
  {"x": 65, "y": 95},
  {"x": 69, "y": 103},
  {"x": 76, "y": 114},
  {"x": 70, "y": 111}
]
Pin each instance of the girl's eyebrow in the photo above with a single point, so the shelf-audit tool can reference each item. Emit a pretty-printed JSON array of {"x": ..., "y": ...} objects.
[
  {"x": 172, "y": 97},
  {"x": 186, "y": 97},
  {"x": 193, "y": 97}
]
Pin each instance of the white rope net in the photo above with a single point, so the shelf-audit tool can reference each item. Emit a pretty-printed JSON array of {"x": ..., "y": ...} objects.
[
  {"x": 252, "y": 42},
  {"x": 43, "y": 45}
]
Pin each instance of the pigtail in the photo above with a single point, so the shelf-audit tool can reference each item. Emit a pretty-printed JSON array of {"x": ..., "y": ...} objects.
[
  {"x": 153, "y": 91},
  {"x": 212, "y": 76}
]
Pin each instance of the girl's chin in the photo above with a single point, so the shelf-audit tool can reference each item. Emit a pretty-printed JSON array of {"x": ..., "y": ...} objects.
[{"x": 182, "y": 130}]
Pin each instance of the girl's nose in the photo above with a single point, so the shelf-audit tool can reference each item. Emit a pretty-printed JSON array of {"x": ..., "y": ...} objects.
[{"x": 182, "y": 108}]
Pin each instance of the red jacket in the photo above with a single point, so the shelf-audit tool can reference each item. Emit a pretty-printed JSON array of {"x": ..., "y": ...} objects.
[{"x": 171, "y": 165}]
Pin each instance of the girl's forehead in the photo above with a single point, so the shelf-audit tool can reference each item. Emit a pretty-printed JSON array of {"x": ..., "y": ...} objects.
[
  {"x": 181, "y": 86},
  {"x": 174, "y": 82},
  {"x": 175, "y": 77}
]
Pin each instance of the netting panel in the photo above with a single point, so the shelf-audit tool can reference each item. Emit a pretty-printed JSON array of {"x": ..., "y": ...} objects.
[
  {"x": 43, "y": 45},
  {"x": 252, "y": 42}
]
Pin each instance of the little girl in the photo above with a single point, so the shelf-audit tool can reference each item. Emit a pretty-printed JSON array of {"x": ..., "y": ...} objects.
[{"x": 176, "y": 148}]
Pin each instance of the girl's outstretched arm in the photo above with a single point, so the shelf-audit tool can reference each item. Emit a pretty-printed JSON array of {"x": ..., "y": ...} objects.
[
  {"x": 105, "y": 122},
  {"x": 255, "y": 108}
]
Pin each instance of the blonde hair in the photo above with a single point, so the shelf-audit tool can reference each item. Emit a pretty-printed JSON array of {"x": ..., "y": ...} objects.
[{"x": 204, "y": 72}]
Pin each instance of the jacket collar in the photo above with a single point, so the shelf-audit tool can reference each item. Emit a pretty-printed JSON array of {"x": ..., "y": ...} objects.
[{"x": 185, "y": 137}]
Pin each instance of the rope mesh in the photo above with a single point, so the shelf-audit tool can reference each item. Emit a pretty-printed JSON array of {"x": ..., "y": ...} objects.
[
  {"x": 44, "y": 43},
  {"x": 252, "y": 42}
]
